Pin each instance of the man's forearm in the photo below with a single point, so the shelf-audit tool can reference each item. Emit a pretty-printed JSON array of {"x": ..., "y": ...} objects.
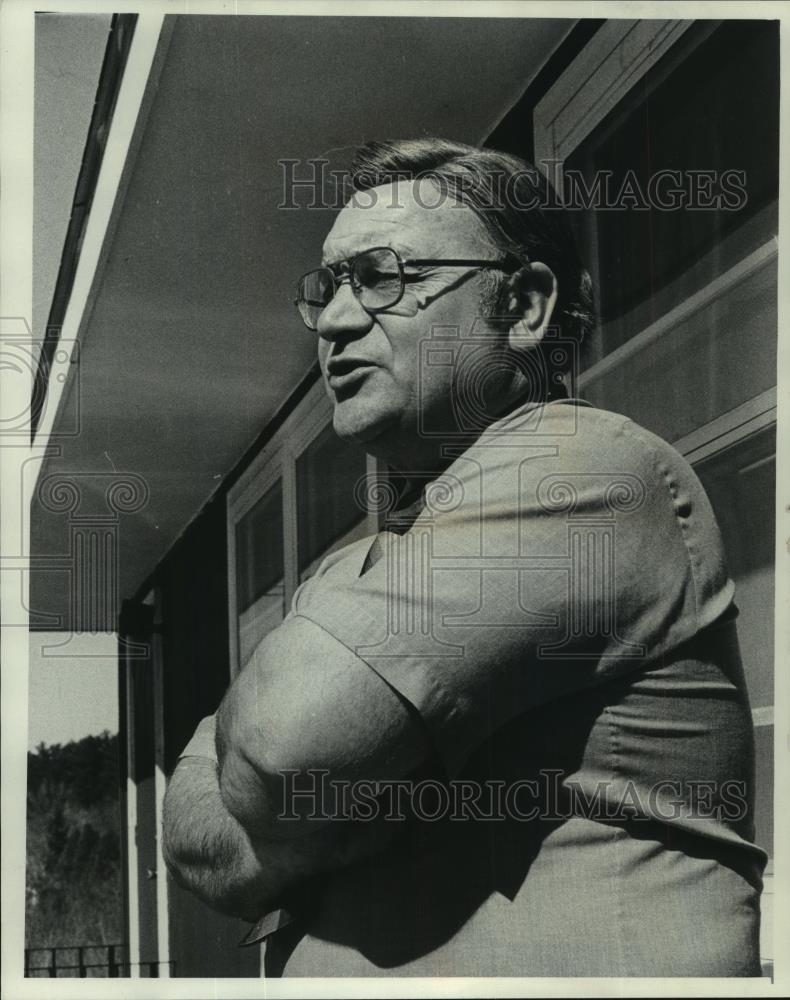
[
  {"x": 235, "y": 871},
  {"x": 206, "y": 849}
]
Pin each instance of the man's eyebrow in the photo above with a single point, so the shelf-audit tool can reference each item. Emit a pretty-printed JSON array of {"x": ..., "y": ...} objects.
[{"x": 402, "y": 249}]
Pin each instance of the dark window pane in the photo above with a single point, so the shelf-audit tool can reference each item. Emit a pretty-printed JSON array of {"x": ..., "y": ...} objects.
[
  {"x": 764, "y": 798},
  {"x": 259, "y": 548},
  {"x": 741, "y": 485},
  {"x": 327, "y": 473},
  {"x": 716, "y": 111}
]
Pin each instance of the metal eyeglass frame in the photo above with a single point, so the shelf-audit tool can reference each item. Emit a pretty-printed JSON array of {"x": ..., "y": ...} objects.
[{"x": 344, "y": 270}]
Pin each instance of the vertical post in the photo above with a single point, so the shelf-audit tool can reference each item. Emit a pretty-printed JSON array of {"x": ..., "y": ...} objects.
[
  {"x": 290, "y": 527},
  {"x": 160, "y": 786},
  {"x": 53, "y": 968},
  {"x": 135, "y": 632},
  {"x": 132, "y": 901},
  {"x": 81, "y": 963},
  {"x": 112, "y": 968}
]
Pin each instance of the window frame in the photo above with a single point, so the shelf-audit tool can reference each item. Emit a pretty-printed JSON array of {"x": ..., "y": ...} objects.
[{"x": 604, "y": 73}]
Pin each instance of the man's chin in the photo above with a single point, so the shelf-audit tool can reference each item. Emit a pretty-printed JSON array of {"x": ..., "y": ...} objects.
[{"x": 360, "y": 425}]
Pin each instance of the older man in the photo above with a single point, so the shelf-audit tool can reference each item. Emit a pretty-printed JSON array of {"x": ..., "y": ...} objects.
[{"x": 509, "y": 735}]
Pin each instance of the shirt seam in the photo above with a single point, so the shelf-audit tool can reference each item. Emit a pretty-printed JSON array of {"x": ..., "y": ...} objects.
[{"x": 661, "y": 467}]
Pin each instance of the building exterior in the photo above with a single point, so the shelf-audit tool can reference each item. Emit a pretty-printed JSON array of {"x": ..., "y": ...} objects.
[{"x": 236, "y": 486}]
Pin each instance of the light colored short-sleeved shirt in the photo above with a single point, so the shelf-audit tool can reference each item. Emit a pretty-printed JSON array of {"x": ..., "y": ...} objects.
[{"x": 560, "y": 615}]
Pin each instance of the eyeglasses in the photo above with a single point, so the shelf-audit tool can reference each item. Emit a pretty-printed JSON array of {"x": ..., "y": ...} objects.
[{"x": 377, "y": 278}]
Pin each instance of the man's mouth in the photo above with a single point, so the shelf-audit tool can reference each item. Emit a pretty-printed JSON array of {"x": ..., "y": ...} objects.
[{"x": 344, "y": 373}]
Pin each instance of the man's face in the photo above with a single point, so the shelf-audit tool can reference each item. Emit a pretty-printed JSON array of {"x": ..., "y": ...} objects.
[{"x": 371, "y": 363}]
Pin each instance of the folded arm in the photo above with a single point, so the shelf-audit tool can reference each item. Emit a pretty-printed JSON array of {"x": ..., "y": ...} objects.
[
  {"x": 237, "y": 873},
  {"x": 303, "y": 704},
  {"x": 306, "y": 704}
]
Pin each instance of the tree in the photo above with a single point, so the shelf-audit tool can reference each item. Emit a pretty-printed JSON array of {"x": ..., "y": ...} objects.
[{"x": 73, "y": 844}]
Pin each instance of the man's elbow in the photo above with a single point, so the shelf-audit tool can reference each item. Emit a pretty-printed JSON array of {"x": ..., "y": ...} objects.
[
  {"x": 223, "y": 896},
  {"x": 216, "y": 880}
]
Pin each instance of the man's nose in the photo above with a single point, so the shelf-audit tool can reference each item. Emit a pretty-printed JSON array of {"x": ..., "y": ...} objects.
[{"x": 344, "y": 316}]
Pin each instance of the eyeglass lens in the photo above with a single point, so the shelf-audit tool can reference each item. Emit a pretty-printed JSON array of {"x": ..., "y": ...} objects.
[{"x": 375, "y": 277}]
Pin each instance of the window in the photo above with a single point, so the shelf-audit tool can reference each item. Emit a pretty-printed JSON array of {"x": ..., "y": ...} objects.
[
  {"x": 260, "y": 586},
  {"x": 740, "y": 482},
  {"x": 303, "y": 497},
  {"x": 697, "y": 282},
  {"x": 329, "y": 515},
  {"x": 693, "y": 131}
]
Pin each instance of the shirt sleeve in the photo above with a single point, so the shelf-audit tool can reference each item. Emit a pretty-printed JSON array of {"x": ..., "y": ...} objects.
[
  {"x": 534, "y": 571},
  {"x": 202, "y": 743}
]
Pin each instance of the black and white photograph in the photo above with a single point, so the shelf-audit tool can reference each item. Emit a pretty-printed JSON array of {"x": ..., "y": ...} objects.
[{"x": 395, "y": 519}]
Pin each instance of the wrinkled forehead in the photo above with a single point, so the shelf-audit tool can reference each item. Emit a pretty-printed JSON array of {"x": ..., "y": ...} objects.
[{"x": 415, "y": 218}]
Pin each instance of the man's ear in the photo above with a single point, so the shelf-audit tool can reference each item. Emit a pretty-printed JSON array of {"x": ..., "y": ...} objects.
[{"x": 531, "y": 298}]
